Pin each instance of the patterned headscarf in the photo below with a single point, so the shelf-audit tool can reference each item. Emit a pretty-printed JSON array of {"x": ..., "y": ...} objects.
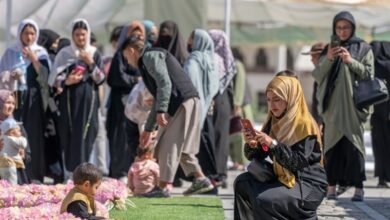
[
  {"x": 224, "y": 57},
  {"x": 4, "y": 94}
]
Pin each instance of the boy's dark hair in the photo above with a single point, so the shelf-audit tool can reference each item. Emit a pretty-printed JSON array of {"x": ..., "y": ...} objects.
[
  {"x": 142, "y": 151},
  {"x": 134, "y": 42},
  {"x": 115, "y": 34},
  {"x": 86, "y": 172},
  {"x": 287, "y": 73}
]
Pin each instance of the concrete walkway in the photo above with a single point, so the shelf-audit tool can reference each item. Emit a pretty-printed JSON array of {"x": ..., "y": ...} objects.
[{"x": 375, "y": 207}]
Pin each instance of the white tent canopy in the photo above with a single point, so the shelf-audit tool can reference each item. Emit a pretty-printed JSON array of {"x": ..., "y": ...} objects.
[{"x": 252, "y": 21}]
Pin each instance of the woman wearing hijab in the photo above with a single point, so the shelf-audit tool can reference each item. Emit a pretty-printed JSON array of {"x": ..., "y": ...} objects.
[
  {"x": 380, "y": 119},
  {"x": 202, "y": 70},
  {"x": 53, "y": 154},
  {"x": 151, "y": 33},
  {"x": 49, "y": 40},
  {"x": 7, "y": 107},
  {"x": 123, "y": 135},
  {"x": 338, "y": 68},
  {"x": 170, "y": 39},
  {"x": 223, "y": 101},
  {"x": 298, "y": 182},
  {"x": 77, "y": 73},
  {"x": 24, "y": 68}
]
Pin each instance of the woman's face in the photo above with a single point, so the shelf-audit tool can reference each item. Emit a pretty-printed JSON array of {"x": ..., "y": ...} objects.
[
  {"x": 80, "y": 37},
  {"x": 343, "y": 29},
  {"x": 28, "y": 36},
  {"x": 9, "y": 106},
  {"x": 276, "y": 105}
]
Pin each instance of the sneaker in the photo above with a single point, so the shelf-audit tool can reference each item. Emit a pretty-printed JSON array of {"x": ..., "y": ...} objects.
[
  {"x": 157, "y": 192},
  {"x": 199, "y": 186}
]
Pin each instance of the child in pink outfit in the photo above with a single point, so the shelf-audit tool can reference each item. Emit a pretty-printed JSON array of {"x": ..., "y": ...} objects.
[{"x": 144, "y": 173}]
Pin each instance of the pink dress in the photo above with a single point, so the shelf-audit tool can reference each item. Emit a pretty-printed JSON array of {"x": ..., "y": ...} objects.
[{"x": 143, "y": 176}]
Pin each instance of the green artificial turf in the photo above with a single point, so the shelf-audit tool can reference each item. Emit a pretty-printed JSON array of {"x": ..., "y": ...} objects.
[{"x": 186, "y": 208}]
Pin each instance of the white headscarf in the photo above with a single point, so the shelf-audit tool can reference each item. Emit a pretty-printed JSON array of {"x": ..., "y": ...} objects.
[
  {"x": 70, "y": 54},
  {"x": 11, "y": 57}
]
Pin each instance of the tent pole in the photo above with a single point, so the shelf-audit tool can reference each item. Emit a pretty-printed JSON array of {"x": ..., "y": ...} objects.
[
  {"x": 228, "y": 7},
  {"x": 8, "y": 17}
]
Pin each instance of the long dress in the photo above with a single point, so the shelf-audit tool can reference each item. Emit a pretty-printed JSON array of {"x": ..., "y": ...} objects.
[
  {"x": 380, "y": 119},
  {"x": 78, "y": 122},
  {"x": 31, "y": 112},
  {"x": 123, "y": 135},
  {"x": 272, "y": 199}
]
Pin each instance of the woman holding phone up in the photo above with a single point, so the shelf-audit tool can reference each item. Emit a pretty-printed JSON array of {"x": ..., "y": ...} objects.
[{"x": 291, "y": 138}]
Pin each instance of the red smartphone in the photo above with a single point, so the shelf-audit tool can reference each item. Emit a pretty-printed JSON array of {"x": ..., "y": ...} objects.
[
  {"x": 79, "y": 69},
  {"x": 247, "y": 125}
]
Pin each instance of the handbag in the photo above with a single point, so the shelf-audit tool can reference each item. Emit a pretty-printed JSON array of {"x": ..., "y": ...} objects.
[
  {"x": 370, "y": 92},
  {"x": 235, "y": 125},
  {"x": 261, "y": 170}
]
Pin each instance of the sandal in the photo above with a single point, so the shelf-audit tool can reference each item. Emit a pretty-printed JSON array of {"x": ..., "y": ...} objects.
[
  {"x": 331, "y": 194},
  {"x": 342, "y": 189},
  {"x": 358, "y": 197}
]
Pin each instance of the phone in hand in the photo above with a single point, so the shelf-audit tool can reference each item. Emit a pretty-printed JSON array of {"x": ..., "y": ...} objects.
[
  {"x": 247, "y": 125},
  {"x": 79, "y": 69},
  {"x": 335, "y": 41}
]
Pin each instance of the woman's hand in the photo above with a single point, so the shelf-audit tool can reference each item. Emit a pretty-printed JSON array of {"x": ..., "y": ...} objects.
[
  {"x": 345, "y": 55},
  {"x": 263, "y": 138},
  {"x": 30, "y": 54},
  {"x": 73, "y": 78},
  {"x": 249, "y": 137},
  {"x": 332, "y": 52},
  {"x": 86, "y": 57},
  {"x": 162, "y": 119}
]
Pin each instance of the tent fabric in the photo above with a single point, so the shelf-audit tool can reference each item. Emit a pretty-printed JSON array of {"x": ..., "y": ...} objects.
[{"x": 252, "y": 21}]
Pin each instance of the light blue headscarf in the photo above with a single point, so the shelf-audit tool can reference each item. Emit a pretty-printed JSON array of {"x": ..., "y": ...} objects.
[
  {"x": 150, "y": 39},
  {"x": 201, "y": 68}
]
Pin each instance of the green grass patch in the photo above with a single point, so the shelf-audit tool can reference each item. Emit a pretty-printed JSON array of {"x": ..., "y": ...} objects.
[{"x": 175, "y": 208}]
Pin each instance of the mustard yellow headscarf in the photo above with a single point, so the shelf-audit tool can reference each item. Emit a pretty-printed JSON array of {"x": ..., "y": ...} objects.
[{"x": 295, "y": 125}]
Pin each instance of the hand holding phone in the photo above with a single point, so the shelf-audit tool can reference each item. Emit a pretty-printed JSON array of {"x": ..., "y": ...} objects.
[
  {"x": 250, "y": 134},
  {"x": 335, "y": 41}
]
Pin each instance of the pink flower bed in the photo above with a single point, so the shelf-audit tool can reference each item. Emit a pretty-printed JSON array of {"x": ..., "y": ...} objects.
[{"x": 38, "y": 201}]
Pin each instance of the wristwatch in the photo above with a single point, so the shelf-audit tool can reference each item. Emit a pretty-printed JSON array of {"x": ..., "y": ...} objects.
[{"x": 273, "y": 143}]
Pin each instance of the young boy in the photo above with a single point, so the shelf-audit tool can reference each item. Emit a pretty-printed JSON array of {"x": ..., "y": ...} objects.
[
  {"x": 13, "y": 143},
  {"x": 80, "y": 200}
]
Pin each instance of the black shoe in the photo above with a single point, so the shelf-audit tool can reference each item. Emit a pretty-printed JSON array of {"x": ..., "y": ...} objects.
[
  {"x": 177, "y": 182},
  {"x": 382, "y": 184},
  {"x": 214, "y": 191}
]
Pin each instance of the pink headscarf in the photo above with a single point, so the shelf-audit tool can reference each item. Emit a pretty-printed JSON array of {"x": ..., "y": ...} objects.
[{"x": 4, "y": 94}]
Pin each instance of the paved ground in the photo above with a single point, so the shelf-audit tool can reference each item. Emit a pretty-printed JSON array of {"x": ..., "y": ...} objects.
[{"x": 375, "y": 207}]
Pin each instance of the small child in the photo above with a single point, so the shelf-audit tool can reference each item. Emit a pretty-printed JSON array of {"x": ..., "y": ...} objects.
[
  {"x": 144, "y": 173},
  {"x": 13, "y": 144},
  {"x": 80, "y": 201}
]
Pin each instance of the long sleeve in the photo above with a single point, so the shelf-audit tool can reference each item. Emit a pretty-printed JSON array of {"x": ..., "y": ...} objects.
[
  {"x": 79, "y": 209},
  {"x": 239, "y": 85},
  {"x": 42, "y": 79},
  {"x": 322, "y": 69},
  {"x": 96, "y": 70},
  {"x": 365, "y": 68},
  {"x": 298, "y": 156},
  {"x": 157, "y": 68}
]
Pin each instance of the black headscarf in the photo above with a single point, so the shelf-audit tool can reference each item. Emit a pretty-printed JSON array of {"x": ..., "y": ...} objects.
[
  {"x": 381, "y": 50},
  {"x": 356, "y": 47},
  {"x": 46, "y": 39},
  {"x": 170, "y": 39}
]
